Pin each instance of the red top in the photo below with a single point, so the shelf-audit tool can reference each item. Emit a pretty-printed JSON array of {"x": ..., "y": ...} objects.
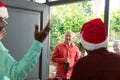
[{"x": 60, "y": 53}]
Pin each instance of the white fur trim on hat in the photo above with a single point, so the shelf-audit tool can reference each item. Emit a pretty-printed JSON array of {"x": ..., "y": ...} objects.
[
  {"x": 3, "y": 12},
  {"x": 91, "y": 46},
  {"x": 78, "y": 35},
  {"x": 93, "y": 34}
]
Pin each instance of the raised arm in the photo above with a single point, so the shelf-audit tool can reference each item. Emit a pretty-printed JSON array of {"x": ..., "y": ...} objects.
[{"x": 21, "y": 69}]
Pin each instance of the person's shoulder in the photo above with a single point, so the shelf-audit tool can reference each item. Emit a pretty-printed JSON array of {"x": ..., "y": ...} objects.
[
  {"x": 81, "y": 63},
  {"x": 60, "y": 44},
  {"x": 116, "y": 54},
  {"x": 84, "y": 59}
]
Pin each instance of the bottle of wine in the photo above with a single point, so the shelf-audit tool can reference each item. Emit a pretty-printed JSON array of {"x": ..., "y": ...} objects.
[{"x": 66, "y": 67}]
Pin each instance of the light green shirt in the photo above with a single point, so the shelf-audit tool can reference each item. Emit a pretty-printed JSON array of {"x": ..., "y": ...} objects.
[{"x": 10, "y": 69}]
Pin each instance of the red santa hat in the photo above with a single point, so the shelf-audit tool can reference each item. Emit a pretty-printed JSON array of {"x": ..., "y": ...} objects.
[
  {"x": 3, "y": 11},
  {"x": 93, "y": 34}
]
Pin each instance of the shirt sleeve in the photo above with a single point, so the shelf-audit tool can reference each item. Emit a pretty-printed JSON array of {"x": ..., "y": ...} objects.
[
  {"x": 6, "y": 61},
  {"x": 20, "y": 70},
  {"x": 55, "y": 56}
]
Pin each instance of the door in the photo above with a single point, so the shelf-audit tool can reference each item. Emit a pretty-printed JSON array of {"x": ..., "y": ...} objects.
[{"x": 20, "y": 33}]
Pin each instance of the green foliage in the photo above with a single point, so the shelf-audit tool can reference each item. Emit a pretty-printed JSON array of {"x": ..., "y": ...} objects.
[
  {"x": 73, "y": 16},
  {"x": 68, "y": 17},
  {"x": 115, "y": 25}
]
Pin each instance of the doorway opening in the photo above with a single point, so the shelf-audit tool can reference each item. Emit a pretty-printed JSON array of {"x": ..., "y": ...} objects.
[{"x": 71, "y": 17}]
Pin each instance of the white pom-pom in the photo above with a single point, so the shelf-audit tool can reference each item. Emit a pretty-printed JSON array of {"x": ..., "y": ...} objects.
[{"x": 4, "y": 12}]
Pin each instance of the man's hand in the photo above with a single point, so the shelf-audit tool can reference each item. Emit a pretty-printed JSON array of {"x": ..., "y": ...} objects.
[
  {"x": 41, "y": 35},
  {"x": 2, "y": 32},
  {"x": 2, "y": 29},
  {"x": 67, "y": 60}
]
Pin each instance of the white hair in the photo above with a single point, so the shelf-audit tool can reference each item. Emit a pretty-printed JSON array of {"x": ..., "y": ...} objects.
[
  {"x": 70, "y": 32},
  {"x": 116, "y": 42}
]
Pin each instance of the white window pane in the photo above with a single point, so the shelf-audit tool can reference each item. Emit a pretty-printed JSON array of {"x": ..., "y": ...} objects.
[
  {"x": 40, "y": 1},
  {"x": 53, "y": 0}
]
